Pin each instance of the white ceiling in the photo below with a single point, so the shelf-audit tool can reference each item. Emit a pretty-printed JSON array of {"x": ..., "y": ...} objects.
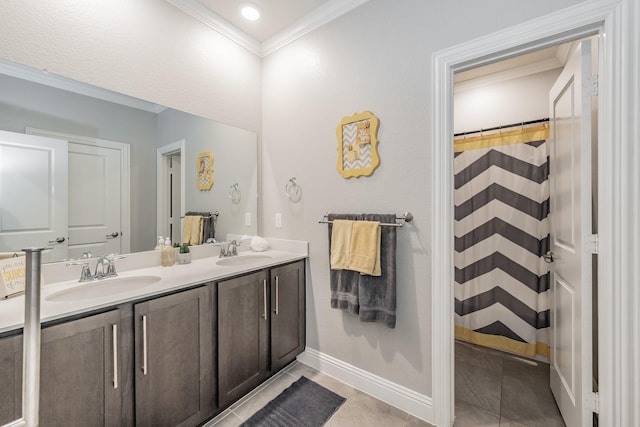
[
  {"x": 282, "y": 22},
  {"x": 276, "y": 14}
]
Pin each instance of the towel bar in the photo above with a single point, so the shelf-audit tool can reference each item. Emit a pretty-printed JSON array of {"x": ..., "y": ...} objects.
[
  {"x": 404, "y": 218},
  {"x": 203, "y": 214}
]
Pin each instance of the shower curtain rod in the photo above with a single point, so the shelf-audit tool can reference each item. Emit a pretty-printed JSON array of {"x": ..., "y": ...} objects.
[{"x": 531, "y": 122}]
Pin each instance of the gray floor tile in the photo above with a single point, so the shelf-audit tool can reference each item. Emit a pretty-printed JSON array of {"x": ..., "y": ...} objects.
[
  {"x": 478, "y": 386},
  {"x": 479, "y": 356},
  {"x": 526, "y": 396},
  {"x": 504, "y": 422},
  {"x": 416, "y": 422},
  {"x": 468, "y": 415},
  {"x": 524, "y": 399},
  {"x": 368, "y": 411}
]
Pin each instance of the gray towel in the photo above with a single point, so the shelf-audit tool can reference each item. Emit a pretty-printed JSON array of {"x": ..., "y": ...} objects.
[
  {"x": 371, "y": 298},
  {"x": 344, "y": 283},
  {"x": 208, "y": 224}
]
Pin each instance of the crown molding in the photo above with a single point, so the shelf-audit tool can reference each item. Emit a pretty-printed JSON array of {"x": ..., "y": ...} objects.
[
  {"x": 219, "y": 24},
  {"x": 317, "y": 18},
  {"x": 42, "y": 77}
]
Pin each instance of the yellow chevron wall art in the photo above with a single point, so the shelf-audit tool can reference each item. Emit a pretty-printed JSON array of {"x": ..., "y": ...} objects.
[
  {"x": 205, "y": 171},
  {"x": 358, "y": 145}
]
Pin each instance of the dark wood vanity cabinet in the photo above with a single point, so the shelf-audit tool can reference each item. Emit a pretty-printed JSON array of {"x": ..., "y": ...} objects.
[
  {"x": 80, "y": 372},
  {"x": 261, "y": 327},
  {"x": 10, "y": 378},
  {"x": 174, "y": 350},
  {"x": 287, "y": 314},
  {"x": 243, "y": 328},
  {"x": 174, "y": 360}
]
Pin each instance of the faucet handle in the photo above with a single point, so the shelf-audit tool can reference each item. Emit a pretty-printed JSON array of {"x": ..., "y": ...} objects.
[
  {"x": 85, "y": 274},
  {"x": 111, "y": 264}
]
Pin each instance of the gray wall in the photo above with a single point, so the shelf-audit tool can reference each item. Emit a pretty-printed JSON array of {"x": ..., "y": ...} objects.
[
  {"x": 377, "y": 58},
  {"x": 25, "y": 104},
  {"x": 234, "y": 161}
]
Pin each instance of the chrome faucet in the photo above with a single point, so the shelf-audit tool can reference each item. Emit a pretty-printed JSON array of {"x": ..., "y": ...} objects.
[
  {"x": 105, "y": 267},
  {"x": 229, "y": 248},
  {"x": 101, "y": 262}
]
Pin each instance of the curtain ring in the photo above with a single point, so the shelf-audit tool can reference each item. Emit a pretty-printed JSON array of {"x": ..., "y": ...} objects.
[
  {"x": 293, "y": 190},
  {"x": 234, "y": 193}
]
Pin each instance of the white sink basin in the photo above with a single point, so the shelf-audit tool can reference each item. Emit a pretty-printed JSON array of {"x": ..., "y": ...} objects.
[
  {"x": 111, "y": 287},
  {"x": 242, "y": 260}
]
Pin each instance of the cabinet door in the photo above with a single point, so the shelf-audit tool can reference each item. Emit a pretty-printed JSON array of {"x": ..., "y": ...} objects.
[
  {"x": 243, "y": 329},
  {"x": 287, "y": 314},
  {"x": 80, "y": 373},
  {"x": 10, "y": 378},
  {"x": 173, "y": 355}
]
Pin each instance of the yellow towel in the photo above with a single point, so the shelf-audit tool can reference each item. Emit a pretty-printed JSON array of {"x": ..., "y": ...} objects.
[
  {"x": 364, "y": 248},
  {"x": 340, "y": 238},
  {"x": 192, "y": 230},
  {"x": 186, "y": 229}
]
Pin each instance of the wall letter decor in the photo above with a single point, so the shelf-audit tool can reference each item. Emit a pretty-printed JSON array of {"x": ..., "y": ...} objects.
[{"x": 358, "y": 145}]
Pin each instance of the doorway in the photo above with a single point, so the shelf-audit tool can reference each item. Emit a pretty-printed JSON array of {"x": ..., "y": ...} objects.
[
  {"x": 504, "y": 296},
  {"x": 579, "y": 21},
  {"x": 171, "y": 197}
]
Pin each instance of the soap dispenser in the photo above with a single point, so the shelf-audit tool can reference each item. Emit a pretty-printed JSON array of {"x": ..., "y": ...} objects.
[
  {"x": 168, "y": 257},
  {"x": 160, "y": 243}
]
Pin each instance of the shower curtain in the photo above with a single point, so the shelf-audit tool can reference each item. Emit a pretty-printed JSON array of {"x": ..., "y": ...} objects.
[{"x": 501, "y": 233}]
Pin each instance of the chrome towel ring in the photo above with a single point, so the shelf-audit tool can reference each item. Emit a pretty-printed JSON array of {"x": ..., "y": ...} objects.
[
  {"x": 293, "y": 190},
  {"x": 234, "y": 193}
]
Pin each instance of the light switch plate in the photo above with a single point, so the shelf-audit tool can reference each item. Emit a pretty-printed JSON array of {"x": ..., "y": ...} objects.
[
  {"x": 247, "y": 219},
  {"x": 278, "y": 220}
]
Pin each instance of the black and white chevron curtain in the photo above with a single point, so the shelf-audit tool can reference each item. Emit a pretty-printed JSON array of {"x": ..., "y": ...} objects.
[{"x": 501, "y": 233}]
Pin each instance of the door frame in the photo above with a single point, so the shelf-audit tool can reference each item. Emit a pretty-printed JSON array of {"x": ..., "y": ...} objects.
[
  {"x": 618, "y": 43},
  {"x": 163, "y": 186},
  {"x": 125, "y": 174}
]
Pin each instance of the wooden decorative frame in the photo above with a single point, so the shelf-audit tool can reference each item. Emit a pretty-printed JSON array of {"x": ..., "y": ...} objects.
[
  {"x": 205, "y": 171},
  {"x": 358, "y": 145}
]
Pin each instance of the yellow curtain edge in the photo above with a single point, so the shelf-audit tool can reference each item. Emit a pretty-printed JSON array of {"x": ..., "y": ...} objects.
[
  {"x": 504, "y": 343},
  {"x": 519, "y": 136}
]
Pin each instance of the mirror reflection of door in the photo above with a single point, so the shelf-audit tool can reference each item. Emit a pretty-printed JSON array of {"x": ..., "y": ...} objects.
[
  {"x": 33, "y": 194},
  {"x": 98, "y": 188},
  {"x": 174, "y": 162},
  {"x": 94, "y": 200}
]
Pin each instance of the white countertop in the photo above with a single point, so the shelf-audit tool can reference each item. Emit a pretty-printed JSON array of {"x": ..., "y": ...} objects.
[{"x": 172, "y": 278}]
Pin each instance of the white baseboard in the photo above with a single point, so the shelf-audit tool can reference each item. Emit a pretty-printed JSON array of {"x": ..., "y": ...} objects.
[{"x": 409, "y": 401}]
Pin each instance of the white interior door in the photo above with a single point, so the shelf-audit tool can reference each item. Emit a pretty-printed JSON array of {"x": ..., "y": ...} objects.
[
  {"x": 94, "y": 200},
  {"x": 570, "y": 179},
  {"x": 33, "y": 194}
]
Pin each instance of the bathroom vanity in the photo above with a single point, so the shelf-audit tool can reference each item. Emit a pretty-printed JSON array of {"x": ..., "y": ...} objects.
[{"x": 174, "y": 351}]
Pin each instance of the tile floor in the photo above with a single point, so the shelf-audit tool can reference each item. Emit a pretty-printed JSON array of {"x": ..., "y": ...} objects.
[
  {"x": 496, "y": 389},
  {"x": 359, "y": 409}
]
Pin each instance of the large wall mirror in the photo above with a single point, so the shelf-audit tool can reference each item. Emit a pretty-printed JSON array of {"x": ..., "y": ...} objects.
[{"x": 83, "y": 169}]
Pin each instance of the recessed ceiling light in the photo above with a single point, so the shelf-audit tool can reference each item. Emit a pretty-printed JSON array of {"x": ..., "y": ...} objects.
[{"x": 250, "y": 12}]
